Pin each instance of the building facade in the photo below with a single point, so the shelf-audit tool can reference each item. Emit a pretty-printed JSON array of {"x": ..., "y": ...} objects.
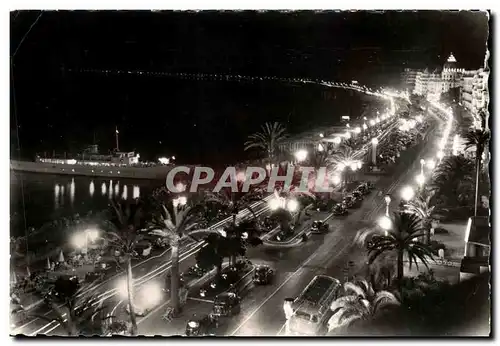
[{"x": 473, "y": 86}]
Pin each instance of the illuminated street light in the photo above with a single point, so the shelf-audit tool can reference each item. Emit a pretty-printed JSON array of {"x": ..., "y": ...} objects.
[
  {"x": 92, "y": 234},
  {"x": 420, "y": 179},
  {"x": 360, "y": 164},
  {"x": 431, "y": 164},
  {"x": 179, "y": 201},
  {"x": 337, "y": 140},
  {"x": 387, "y": 199},
  {"x": 274, "y": 204},
  {"x": 365, "y": 126},
  {"x": 336, "y": 179},
  {"x": 340, "y": 166},
  {"x": 301, "y": 155},
  {"x": 357, "y": 130},
  {"x": 180, "y": 187},
  {"x": 80, "y": 240},
  {"x": 320, "y": 147},
  {"x": 347, "y": 135},
  {"x": 374, "y": 150},
  {"x": 372, "y": 122},
  {"x": 347, "y": 125},
  {"x": 385, "y": 223},
  {"x": 321, "y": 135},
  {"x": 292, "y": 205},
  {"x": 354, "y": 166},
  {"x": 407, "y": 193}
]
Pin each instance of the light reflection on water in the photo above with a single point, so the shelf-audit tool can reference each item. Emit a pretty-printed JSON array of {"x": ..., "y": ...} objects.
[{"x": 111, "y": 190}]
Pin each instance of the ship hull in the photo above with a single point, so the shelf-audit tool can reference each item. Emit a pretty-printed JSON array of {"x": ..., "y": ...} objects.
[{"x": 153, "y": 173}]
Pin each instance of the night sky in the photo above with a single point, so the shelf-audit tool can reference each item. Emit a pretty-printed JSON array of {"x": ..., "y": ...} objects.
[{"x": 64, "y": 97}]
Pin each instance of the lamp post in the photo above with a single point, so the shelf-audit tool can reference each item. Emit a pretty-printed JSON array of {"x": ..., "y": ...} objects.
[
  {"x": 431, "y": 164},
  {"x": 387, "y": 199},
  {"x": 301, "y": 155},
  {"x": 420, "y": 180},
  {"x": 407, "y": 193},
  {"x": 422, "y": 164},
  {"x": 374, "y": 151},
  {"x": 178, "y": 202},
  {"x": 385, "y": 223}
]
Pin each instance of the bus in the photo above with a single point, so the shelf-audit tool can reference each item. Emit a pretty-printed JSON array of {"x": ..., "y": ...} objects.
[{"x": 311, "y": 309}]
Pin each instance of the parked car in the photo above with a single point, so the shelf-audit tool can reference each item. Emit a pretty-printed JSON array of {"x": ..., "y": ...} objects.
[
  {"x": 351, "y": 202},
  {"x": 363, "y": 188},
  {"x": 319, "y": 227},
  {"x": 339, "y": 209},
  {"x": 94, "y": 276},
  {"x": 206, "y": 326},
  {"x": 226, "y": 304},
  {"x": 358, "y": 195},
  {"x": 370, "y": 243},
  {"x": 263, "y": 275}
]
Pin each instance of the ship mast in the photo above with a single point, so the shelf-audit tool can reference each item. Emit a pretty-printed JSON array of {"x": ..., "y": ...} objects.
[{"x": 116, "y": 134}]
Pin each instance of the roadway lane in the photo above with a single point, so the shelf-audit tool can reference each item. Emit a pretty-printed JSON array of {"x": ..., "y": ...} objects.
[{"x": 262, "y": 314}]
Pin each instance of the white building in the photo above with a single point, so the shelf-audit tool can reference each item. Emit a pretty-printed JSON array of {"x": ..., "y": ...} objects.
[{"x": 473, "y": 85}]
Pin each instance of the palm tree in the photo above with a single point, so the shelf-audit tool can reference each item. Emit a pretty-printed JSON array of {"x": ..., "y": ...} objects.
[
  {"x": 127, "y": 220},
  {"x": 477, "y": 138},
  {"x": 172, "y": 225},
  {"x": 76, "y": 314},
  {"x": 361, "y": 302},
  {"x": 421, "y": 206},
  {"x": 402, "y": 238},
  {"x": 268, "y": 139},
  {"x": 453, "y": 177}
]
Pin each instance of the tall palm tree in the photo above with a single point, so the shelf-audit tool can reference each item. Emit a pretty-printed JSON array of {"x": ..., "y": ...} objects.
[
  {"x": 268, "y": 139},
  {"x": 360, "y": 302},
  {"x": 76, "y": 314},
  {"x": 421, "y": 206},
  {"x": 172, "y": 225},
  {"x": 479, "y": 139},
  {"x": 401, "y": 238},
  {"x": 452, "y": 178},
  {"x": 128, "y": 219}
]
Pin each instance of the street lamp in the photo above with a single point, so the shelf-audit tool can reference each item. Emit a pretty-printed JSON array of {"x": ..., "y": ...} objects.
[
  {"x": 292, "y": 205},
  {"x": 357, "y": 130},
  {"x": 321, "y": 135},
  {"x": 422, "y": 164},
  {"x": 341, "y": 166},
  {"x": 372, "y": 122},
  {"x": 360, "y": 164},
  {"x": 420, "y": 180},
  {"x": 407, "y": 193},
  {"x": 374, "y": 150},
  {"x": 365, "y": 126},
  {"x": 385, "y": 223},
  {"x": 301, "y": 155},
  {"x": 347, "y": 135},
  {"x": 179, "y": 201},
  {"x": 354, "y": 166},
  {"x": 320, "y": 147},
  {"x": 336, "y": 180},
  {"x": 387, "y": 199},
  {"x": 337, "y": 140},
  {"x": 180, "y": 187},
  {"x": 431, "y": 164}
]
